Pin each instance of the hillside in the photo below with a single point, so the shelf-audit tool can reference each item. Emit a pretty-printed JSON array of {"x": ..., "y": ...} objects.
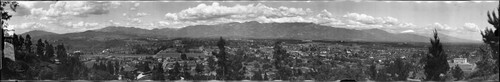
[{"x": 256, "y": 30}]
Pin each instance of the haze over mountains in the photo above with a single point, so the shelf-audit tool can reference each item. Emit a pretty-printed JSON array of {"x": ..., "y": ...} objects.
[{"x": 254, "y": 30}]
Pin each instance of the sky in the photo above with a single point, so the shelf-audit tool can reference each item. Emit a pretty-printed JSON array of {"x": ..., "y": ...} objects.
[{"x": 462, "y": 19}]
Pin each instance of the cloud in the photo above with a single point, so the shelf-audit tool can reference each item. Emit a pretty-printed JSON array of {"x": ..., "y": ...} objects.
[
  {"x": 216, "y": 13},
  {"x": 81, "y": 24},
  {"x": 471, "y": 27},
  {"x": 364, "y": 20},
  {"x": 28, "y": 26},
  {"x": 74, "y": 8},
  {"x": 24, "y": 8},
  {"x": 241, "y": 12},
  {"x": 28, "y": 4}
]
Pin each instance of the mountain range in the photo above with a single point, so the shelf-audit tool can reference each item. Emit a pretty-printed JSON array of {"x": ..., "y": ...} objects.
[{"x": 253, "y": 30}]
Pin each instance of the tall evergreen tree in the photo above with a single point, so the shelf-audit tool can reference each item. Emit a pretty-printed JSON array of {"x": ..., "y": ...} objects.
[
  {"x": 199, "y": 69},
  {"x": 15, "y": 41},
  {"x": 457, "y": 72},
  {"x": 265, "y": 77},
  {"x": 212, "y": 64},
  {"x": 257, "y": 75},
  {"x": 158, "y": 73},
  {"x": 199, "y": 72},
  {"x": 49, "y": 51},
  {"x": 186, "y": 72},
  {"x": 436, "y": 64},
  {"x": 223, "y": 70},
  {"x": 175, "y": 72},
  {"x": 373, "y": 71},
  {"x": 400, "y": 70},
  {"x": 40, "y": 47},
  {"x": 61, "y": 52},
  {"x": 28, "y": 43},
  {"x": 183, "y": 56},
  {"x": 21, "y": 44},
  {"x": 490, "y": 36},
  {"x": 280, "y": 57}
]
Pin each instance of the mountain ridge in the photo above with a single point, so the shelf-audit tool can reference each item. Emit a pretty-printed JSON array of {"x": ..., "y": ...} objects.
[{"x": 253, "y": 29}]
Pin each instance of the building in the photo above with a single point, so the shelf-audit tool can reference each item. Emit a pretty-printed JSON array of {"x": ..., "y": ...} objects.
[
  {"x": 460, "y": 61},
  {"x": 463, "y": 64}
]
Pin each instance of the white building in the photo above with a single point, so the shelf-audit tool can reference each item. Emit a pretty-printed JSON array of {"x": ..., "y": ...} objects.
[{"x": 462, "y": 63}]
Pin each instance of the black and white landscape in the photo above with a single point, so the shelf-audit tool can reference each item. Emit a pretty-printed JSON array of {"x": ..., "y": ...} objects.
[{"x": 251, "y": 40}]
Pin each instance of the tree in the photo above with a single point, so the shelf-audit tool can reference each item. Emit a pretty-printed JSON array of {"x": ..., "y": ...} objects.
[
  {"x": 49, "y": 51},
  {"x": 490, "y": 36},
  {"x": 186, "y": 72},
  {"x": 265, "y": 76},
  {"x": 373, "y": 71},
  {"x": 175, "y": 72},
  {"x": 257, "y": 75},
  {"x": 399, "y": 70},
  {"x": 71, "y": 67},
  {"x": 28, "y": 43},
  {"x": 223, "y": 70},
  {"x": 21, "y": 44},
  {"x": 485, "y": 66},
  {"x": 61, "y": 51},
  {"x": 6, "y": 16},
  {"x": 457, "y": 72},
  {"x": 40, "y": 47},
  {"x": 199, "y": 69},
  {"x": 436, "y": 63},
  {"x": 280, "y": 57},
  {"x": 199, "y": 72},
  {"x": 158, "y": 72},
  {"x": 183, "y": 56},
  {"x": 211, "y": 63}
]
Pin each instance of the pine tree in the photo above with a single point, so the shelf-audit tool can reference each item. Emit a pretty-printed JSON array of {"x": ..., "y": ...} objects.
[
  {"x": 61, "y": 52},
  {"x": 257, "y": 75},
  {"x": 199, "y": 72},
  {"x": 457, "y": 72},
  {"x": 96, "y": 66},
  {"x": 186, "y": 72},
  {"x": 265, "y": 77},
  {"x": 158, "y": 73},
  {"x": 436, "y": 63},
  {"x": 49, "y": 51},
  {"x": 28, "y": 43},
  {"x": 400, "y": 68},
  {"x": 199, "y": 69},
  {"x": 373, "y": 71},
  {"x": 490, "y": 36},
  {"x": 280, "y": 57},
  {"x": 40, "y": 47},
  {"x": 211, "y": 63},
  {"x": 174, "y": 73},
  {"x": 183, "y": 56},
  {"x": 15, "y": 41},
  {"x": 21, "y": 44},
  {"x": 223, "y": 70}
]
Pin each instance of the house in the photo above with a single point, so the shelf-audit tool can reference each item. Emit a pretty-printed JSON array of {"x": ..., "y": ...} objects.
[
  {"x": 460, "y": 61},
  {"x": 463, "y": 64}
]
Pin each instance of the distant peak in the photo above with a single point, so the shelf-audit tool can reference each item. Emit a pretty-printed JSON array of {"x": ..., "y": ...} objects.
[{"x": 38, "y": 32}]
